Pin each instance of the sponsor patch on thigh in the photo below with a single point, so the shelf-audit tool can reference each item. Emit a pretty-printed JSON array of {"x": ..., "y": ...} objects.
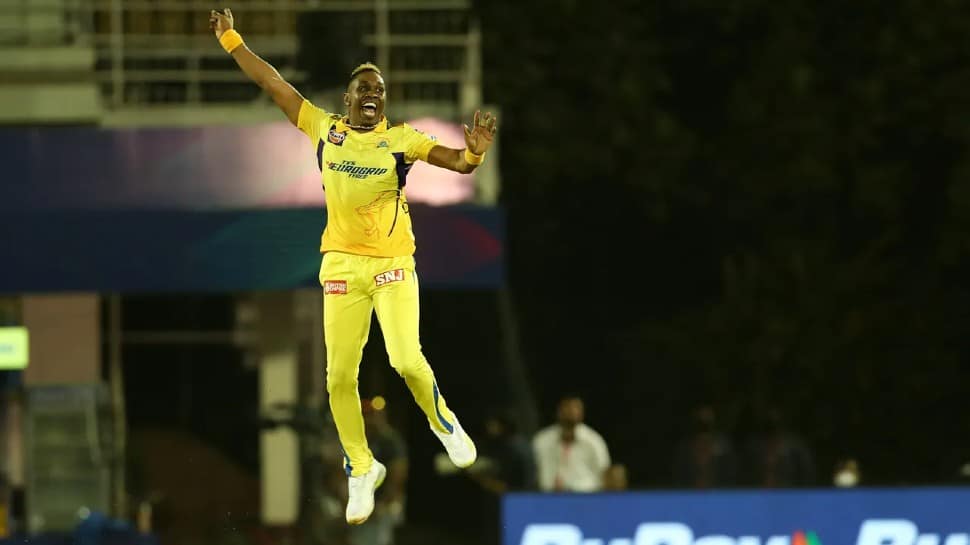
[
  {"x": 334, "y": 287},
  {"x": 387, "y": 277}
]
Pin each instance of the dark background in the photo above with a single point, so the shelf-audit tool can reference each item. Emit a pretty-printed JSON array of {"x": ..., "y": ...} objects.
[{"x": 743, "y": 203}]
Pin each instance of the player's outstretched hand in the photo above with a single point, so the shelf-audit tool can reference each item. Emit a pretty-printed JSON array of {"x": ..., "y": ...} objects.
[
  {"x": 220, "y": 21},
  {"x": 479, "y": 138}
]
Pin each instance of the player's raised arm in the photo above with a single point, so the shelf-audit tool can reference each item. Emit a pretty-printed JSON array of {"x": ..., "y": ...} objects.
[
  {"x": 477, "y": 141},
  {"x": 268, "y": 78}
]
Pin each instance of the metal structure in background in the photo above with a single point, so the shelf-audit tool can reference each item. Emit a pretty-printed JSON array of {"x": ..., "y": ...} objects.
[
  {"x": 70, "y": 455},
  {"x": 160, "y": 52},
  {"x": 137, "y": 63}
]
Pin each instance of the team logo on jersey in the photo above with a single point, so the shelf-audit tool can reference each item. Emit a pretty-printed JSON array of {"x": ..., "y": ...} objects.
[
  {"x": 382, "y": 144},
  {"x": 352, "y": 169},
  {"x": 334, "y": 287},
  {"x": 335, "y": 137},
  {"x": 397, "y": 275}
]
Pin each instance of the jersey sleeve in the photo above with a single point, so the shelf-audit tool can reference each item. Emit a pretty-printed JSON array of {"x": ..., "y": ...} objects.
[
  {"x": 311, "y": 119},
  {"x": 418, "y": 144}
]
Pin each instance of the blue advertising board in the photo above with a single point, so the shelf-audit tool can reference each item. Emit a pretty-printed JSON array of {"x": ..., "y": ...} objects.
[
  {"x": 914, "y": 516},
  {"x": 153, "y": 251}
]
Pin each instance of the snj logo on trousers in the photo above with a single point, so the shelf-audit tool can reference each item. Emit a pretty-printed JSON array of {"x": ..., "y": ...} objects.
[
  {"x": 871, "y": 532},
  {"x": 334, "y": 287},
  {"x": 387, "y": 277},
  {"x": 352, "y": 169}
]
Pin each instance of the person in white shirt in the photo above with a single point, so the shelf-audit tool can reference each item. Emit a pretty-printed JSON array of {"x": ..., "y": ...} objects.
[{"x": 570, "y": 456}]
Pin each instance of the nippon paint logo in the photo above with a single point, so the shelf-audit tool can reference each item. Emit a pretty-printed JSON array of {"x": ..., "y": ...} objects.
[{"x": 871, "y": 532}]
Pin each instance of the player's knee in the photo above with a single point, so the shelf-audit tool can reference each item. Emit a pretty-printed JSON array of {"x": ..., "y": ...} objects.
[
  {"x": 341, "y": 379},
  {"x": 409, "y": 364}
]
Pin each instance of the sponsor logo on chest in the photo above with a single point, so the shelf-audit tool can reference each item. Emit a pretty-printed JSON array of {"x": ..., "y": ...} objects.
[
  {"x": 397, "y": 275},
  {"x": 352, "y": 169}
]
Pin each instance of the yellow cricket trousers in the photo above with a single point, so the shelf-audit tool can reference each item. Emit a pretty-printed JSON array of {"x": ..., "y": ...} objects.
[{"x": 354, "y": 288}]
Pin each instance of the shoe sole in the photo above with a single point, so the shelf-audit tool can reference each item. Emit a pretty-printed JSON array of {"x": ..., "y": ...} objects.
[{"x": 380, "y": 481}]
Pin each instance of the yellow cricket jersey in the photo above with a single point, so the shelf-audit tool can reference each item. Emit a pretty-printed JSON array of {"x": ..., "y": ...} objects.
[{"x": 364, "y": 175}]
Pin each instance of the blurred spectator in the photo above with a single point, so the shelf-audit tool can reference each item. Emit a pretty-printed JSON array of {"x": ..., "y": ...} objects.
[
  {"x": 706, "y": 457},
  {"x": 326, "y": 523},
  {"x": 846, "y": 474},
  {"x": 776, "y": 456},
  {"x": 322, "y": 516},
  {"x": 505, "y": 463},
  {"x": 963, "y": 473},
  {"x": 616, "y": 478},
  {"x": 388, "y": 445},
  {"x": 570, "y": 456}
]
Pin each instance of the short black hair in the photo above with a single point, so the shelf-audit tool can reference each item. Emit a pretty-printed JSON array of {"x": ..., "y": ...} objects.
[{"x": 365, "y": 67}]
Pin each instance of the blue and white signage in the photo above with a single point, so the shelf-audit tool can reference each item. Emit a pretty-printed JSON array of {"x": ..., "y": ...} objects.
[{"x": 916, "y": 516}]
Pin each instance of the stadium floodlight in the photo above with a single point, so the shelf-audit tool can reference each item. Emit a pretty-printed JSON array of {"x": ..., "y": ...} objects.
[{"x": 14, "y": 347}]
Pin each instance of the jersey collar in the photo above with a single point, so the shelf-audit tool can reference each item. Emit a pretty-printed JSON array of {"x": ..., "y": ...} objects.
[{"x": 381, "y": 126}]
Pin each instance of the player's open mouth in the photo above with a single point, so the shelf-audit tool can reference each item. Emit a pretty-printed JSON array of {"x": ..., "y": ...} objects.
[{"x": 369, "y": 109}]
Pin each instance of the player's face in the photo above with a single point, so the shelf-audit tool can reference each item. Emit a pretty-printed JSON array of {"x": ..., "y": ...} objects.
[
  {"x": 365, "y": 98},
  {"x": 571, "y": 411}
]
